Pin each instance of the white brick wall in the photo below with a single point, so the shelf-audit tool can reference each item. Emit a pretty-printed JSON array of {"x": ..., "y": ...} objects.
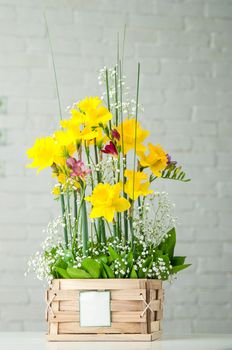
[{"x": 185, "y": 51}]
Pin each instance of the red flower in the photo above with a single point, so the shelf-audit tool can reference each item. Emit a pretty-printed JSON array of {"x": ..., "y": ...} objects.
[
  {"x": 115, "y": 134},
  {"x": 110, "y": 149}
]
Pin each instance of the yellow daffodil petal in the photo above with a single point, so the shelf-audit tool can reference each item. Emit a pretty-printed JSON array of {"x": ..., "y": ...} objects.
[
  {"x": 127, "y": 136},
  {"x": 106, "y": 200},
  {"x": 121, "y": 204},
  {"x": 43, "y": 153}
]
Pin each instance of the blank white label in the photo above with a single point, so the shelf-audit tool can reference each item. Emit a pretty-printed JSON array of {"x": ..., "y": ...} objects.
[{"x": 95, "y": 309}]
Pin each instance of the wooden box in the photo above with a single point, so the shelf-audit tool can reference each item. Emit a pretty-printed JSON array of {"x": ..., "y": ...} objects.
[{"x": 136, "y": 310}]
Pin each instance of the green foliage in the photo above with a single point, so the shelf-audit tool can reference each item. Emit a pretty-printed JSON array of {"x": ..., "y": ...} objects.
[
  {"x": 178, "y": 260},
  {"x": 92, "y": 267},
  {"x": 133, "y": 273},
  {"x": 62, "y": 272},
  {"x": 108, "y": 271},
  {"x": 172, "y": 172},
  {"x": 178, "y": 268},
  {"x": 77, "y": 273},
  {"x": 116, "y": 260},
  {"x": 168, "y": 246}
]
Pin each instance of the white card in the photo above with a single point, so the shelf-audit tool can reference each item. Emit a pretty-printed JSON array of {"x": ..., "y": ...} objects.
[{"x": 95, "y": 309}]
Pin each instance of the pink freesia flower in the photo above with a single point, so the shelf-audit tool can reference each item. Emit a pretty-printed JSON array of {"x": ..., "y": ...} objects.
[
  {"x": 110, "y": 149},
  {"x": 78, "y": 168},
  {"x": 115, "y": 134}
]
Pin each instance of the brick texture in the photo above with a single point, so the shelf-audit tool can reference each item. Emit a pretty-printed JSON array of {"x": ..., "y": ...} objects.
[{"x": 185, "y": 51}]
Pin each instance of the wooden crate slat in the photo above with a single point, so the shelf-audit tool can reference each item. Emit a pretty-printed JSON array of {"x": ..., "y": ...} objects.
[
  {"x": 120, "y": 327},
  {"x": 130, "y": 294},
  {"x": 155, "y": 305},
  {"x": 159, "y": 315},
  {"x": 116, "y": 316},
  {"x": 104, "y": 337},
  {"x": 116, "y": 305},
  {"x": 100, "y": 284},
  {"x": 155, "y": 284},
  {"x": 53, "y": 327},
  {"x": 155, "y": 326},
  {"x": 161, "y": 294}
]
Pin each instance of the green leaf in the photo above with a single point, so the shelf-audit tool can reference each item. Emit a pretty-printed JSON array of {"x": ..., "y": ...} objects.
[
  {"x": 104, "y": 274},
  {"x": 63, "y": 273},
  {"x": 178, "y": 268},
  {"x": 108, "y": 271},
  {"x": 92, "y": 267},
  {"x": 178, "y": 260},
  {"x": 141, "y": 274},
  {"x": 168, "y": 245},
  {"x": 113, "y": 254},
  {"x": 133, "y": 273},
  {"x": 60, "y": 263},
  {"x": 129, "y": 259},
  {"x": 102, "y": 258},
  {"x": 68, "y": 258},
  {"x": 77, "y": 273},
  {"x": 147, "y": 262}
]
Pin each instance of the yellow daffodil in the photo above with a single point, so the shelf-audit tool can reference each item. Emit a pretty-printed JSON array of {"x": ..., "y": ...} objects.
[
  {"x": 127, "y": 129},
  {"x": 78, "y": 132},
  {"x": 156, "y": 160},
  {"x": 89, "y": 103},
  {"x": 136, "y": 184},
  {"x": 56, "y": 190},
  {"x": 99, "y": 137},
  {"x": 94, "y": 112},
  {"x": 65, "y": 141},
  {"x": 61, "y": 178},
  {"x": 106, "y": 201},
  {"x": 74, "y": 123},
  {"x": 43, "y": 153}
]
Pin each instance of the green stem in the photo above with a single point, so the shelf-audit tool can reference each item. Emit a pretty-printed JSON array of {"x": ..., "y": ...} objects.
[
  {"x": 84, "y": 220},
  {"x": 85, "y": 236},
  {"x": 119, "y": 226},
  {"x": 108, "y": 93},
  {"x": 116, "y": 94},
  {"x": 131, "y": 222},
  {"x": 140, "y": 209},
  {"x": 96, "y": 159},
  {"x": 53, "y": 65},
  {"x": 102, "y": 230},
  {"x": 75, "y": 205},
  {"x": 69, "y": 213},
  {"x": 64, "y": 219},
  {"x": 88, "y": 159},
  {"x": 135, "y": 148},
  {"x": 107, "y": 89},
  {"x": 108, "y": 225},
  {"x": 125, "y": 214}
]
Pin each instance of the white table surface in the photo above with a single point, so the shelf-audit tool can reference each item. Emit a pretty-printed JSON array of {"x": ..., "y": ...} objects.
[{"x": 37, "y": 341}]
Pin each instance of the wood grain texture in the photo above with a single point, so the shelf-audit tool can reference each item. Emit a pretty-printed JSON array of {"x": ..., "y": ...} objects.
[
  {"x": 128, "y": 301},
  {"x": 117, "y": 328},
  {"x": 100, "y": 284},
  {"x": 129, "y": 294},
  {"x": 116, "y": 316},
  {"x": 116, "y": 305},
  {"x": 104, "y": 337}
]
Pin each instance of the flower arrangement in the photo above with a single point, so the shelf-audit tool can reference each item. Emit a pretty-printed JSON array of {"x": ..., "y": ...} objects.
[{"x": 113, "y": 224}]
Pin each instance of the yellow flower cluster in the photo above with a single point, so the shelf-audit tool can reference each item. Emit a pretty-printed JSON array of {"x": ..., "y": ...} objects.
[{"x": 89, "y": 125}]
